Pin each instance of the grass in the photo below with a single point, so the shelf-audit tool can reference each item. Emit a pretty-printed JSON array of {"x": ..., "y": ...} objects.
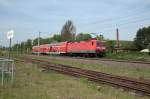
[
  {"x": 135, "y": 72},
  {"x": 120, "y": 55},
  {"x": 31, "y": 83},
  {"x": 129, "y": 56}
]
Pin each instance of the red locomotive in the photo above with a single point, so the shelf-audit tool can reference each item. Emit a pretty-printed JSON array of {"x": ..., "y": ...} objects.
[{"x": 91, "y": 47}]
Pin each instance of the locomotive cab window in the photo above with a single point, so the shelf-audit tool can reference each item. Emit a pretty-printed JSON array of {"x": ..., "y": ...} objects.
[{"x": 99, "y": 44}]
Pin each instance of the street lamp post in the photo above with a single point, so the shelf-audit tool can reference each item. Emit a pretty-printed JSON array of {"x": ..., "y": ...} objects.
[
  {"x": 39, "y": 44},
  {"x": 9, "y": 48}
]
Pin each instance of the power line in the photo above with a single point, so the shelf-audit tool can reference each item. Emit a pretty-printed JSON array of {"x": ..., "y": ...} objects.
[
  {"x": 119, "y": 18},
  {"x": 129, "y": 21},
  {"x": 123, "y": 25}
]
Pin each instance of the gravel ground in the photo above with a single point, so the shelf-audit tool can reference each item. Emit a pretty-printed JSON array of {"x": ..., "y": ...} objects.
[{"x": 100, "y": 62}]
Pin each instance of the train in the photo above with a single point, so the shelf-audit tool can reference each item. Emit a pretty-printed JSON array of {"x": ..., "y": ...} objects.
[{"x": 92, "y": 47}]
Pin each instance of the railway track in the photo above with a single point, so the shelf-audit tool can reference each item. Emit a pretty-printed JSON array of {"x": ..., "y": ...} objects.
[
  {"x": 139, "y": 86},
  {"x": 117, "y": 60},
  {"x": 128, "y": 61},
  {"x": 106, "y": 59}
]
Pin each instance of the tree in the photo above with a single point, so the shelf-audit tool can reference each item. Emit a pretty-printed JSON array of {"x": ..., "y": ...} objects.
[
  {"x": 35, "y": 41},
  {"x": 100, "y": 37},
  {"x": 22, "y": 46},
  {"x": 56, "y": 38},
  {"x": 29, "y": 44},
  {"x": 68, "y": 31},
  {"x": 14, "y": 47},
  {"x": 110, "y": 45},
  {"x": 83, "y": 37},
  {"x": 142, "y": 38},
  {"x": 45, "y": 40}
]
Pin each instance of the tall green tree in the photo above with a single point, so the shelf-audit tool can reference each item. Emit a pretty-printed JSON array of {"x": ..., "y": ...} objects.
[
  {"x": 22, "y": 46},
  {"x": 29, "y": 44},
  {"x": 45, "y": 40},
  {"x": 35, "y": 41},
  {"x": 56, "y": 38},
  {"x": 83, "y": 37},
  {"x": 68, "y": 31},
  {"x": 110, "y": 45},
  {"x": 142, "y": 38}
]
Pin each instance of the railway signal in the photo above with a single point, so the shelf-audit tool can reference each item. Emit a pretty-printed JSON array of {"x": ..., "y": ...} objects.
[{"x": 10, "y": 35}]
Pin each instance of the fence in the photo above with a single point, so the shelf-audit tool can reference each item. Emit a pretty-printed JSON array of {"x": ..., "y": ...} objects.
[{"x": 7, "y": 70}]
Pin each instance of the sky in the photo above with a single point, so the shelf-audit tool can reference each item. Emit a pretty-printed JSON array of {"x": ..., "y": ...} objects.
[{"x": 28, "y": 17}]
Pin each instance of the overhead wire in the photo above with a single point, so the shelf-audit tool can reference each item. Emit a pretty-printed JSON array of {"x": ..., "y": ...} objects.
[
  {"x": 125, "y": 20},
  {"x": 119, "y": 18}
]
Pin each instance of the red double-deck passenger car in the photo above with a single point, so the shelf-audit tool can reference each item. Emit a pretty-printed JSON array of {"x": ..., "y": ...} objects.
[{"x": 91, "y": 47}]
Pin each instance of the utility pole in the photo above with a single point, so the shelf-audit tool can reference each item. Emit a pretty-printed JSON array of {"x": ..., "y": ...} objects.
[
  {"x": 9, "y": 48},
  {"x": 24, "y": 49},
  {"x": 17, "y": 48},
  {"x": 39, "y": 44},
  {"x": 117, "y": 34},
  {"x": 75, "y": 36}
]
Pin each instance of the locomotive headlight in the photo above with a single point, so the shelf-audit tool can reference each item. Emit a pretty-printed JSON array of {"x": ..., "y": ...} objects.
[
  {"x": 100, "y": 48},
  {"x": 103, "y": 48}
]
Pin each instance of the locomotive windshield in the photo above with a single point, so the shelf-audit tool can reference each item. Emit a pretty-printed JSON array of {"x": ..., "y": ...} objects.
[{"x": 99, "y": 43}]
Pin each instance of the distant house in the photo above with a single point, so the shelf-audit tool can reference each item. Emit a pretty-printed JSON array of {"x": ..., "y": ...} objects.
[{"x": 124, "y": 49}]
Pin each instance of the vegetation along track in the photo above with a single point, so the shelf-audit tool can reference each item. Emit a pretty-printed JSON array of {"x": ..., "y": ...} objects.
[
  {"x": 107, "y": 59},
  {"x": 116, "y": 60},
  {"x": 127, "y": 61},
  {"x": 139, "y": 86}
]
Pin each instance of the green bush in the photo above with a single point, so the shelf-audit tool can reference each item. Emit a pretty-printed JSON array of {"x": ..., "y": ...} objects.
[{"x": 128, "y": 55}]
